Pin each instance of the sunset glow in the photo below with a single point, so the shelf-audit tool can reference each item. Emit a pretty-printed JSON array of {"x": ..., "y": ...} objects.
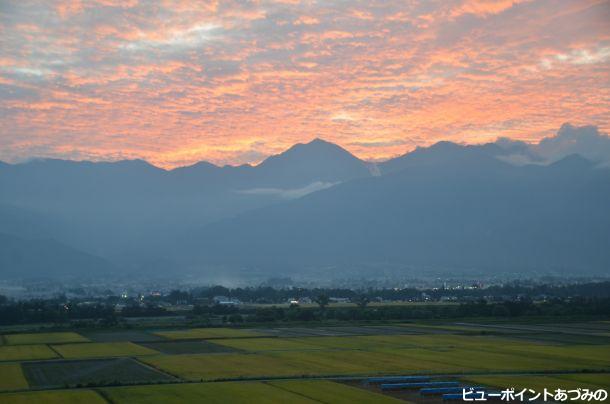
[{"x": 233, "y": 82}]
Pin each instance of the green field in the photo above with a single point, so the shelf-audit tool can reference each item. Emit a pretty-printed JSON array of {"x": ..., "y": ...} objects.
[
  {"x": 85, "y": 372},
  {"x": 11, "y": 377},
  {"x": 221, "y": 366},
  {"x": 376, "y": 342},
  {"x": 44, "y": 338},
  {"x": 239, "y": 365},
  {"x": 292, "y": 363},
  {"x": 270, "y": 344},
  {"x": 102, "y": 350},
  {"x": 53, "y": 397},
  {"x": 252, "y": 392},
  {"x": 208, "y": 333},
  {"x": 382, "y": 354},
  {"x": 331, "y": 392},
  {"x": 491, "y": 352},
  {"x": 26, "y": 352},
  {"x": 209, "y": 393},
  {"x": 186, "y": 347},
  {"x": 121, "y": 335}
]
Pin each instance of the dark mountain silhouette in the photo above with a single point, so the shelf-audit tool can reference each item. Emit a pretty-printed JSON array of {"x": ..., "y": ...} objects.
[
  {"x": 574, "y": 163},
  {"x": 299, "y": 166},
  {"x": 115, "y": 209},
  {"x": 451, "y": 207},
  {"x": 446, "y": 206},
  {"x": 20, "y": 258},
  {"x": 26, "y": 223},
  {"x": 442, "y": 153},
  {"x": 303, "y": 164}
]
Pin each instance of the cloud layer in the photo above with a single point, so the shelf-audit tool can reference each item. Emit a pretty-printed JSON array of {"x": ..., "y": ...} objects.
[
  {"x": 586, "y": 141},
  {"x": 176, "y": 82},
  {"x": 289, "y": 193}
]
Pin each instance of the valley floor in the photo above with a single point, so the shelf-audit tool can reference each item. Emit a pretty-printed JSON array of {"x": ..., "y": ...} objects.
[{"x": 299, "y": 364}]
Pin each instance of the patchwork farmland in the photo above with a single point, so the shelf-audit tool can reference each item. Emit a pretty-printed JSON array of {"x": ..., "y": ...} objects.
[{"x": 363, "y": 364}]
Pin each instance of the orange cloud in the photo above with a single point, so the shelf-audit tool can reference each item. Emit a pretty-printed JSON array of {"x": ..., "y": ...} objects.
[
  {"x": 484, "y": 7},
  {"x": 176, "y": 82}
]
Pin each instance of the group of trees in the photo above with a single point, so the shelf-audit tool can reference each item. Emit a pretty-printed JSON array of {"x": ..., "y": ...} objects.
[
  {"x": 53, "y": 311},
  {"x": 512, "y": 290},
  {"x": 482, "y": 308},
  {"x": 106, "y": 311}
]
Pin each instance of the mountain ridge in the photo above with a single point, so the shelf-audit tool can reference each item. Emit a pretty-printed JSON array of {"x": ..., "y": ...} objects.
[
  {"x": 132, "y": 213},
  {"x": 496, "y": 216},
  {"x": 32, "y": 258}
]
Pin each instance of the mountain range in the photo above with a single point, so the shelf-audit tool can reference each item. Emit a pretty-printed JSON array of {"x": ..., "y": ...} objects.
[{"x": 314, "y": 206}]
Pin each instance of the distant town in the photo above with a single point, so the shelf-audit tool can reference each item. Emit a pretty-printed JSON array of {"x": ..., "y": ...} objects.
[{"x": 94, "y": 303}]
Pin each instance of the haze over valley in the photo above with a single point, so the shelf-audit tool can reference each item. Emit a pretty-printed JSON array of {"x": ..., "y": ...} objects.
[{"x": 496, "y": 208}]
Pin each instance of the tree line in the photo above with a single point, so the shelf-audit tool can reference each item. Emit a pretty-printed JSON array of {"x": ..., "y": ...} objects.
[{"x": 102, "y": 314}]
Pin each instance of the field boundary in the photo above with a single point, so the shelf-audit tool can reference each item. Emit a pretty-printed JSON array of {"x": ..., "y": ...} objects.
[
  {"x": 528, "y": 328},
  {"x": 103, "y": 395},
  {"x": 156, "y": 369},
  {"x": 294, "y": 392},
  {"x": 167, "y": 339},
  {"x": 56, "y": 351}
]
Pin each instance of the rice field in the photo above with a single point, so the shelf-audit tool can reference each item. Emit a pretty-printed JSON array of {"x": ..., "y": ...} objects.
[
  {"x": 44, "y": 338},
  {"x": 86, "y": 372},
  {"x": 332, "y": 392},
  {"x": 102, "y": 350},
  {"x": 187, "y": 347},
  {"x": 382, "y": 354},
  {"x": 291, "y": 363},
  {"x": 208, "y": 333},
  {"x": 270, "y": 344},
  {"x": 478, "y": 353},
  {"x": 54, "y": 397},
  {"x": 251, "y": 392},
  {"x": 121, "y": 336},
  {"x": 25, "y": 352},
  {"x": 11, "y": 377},
  {"x": 240, "y": 365},
  {"x": 372, "y": 342},
  {"x": 221, "y": 366},
  {"x": 209, "y": 393}
]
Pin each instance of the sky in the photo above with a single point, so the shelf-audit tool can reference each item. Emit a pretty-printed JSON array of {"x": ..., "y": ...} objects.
[{"x": 230, "y": 82}]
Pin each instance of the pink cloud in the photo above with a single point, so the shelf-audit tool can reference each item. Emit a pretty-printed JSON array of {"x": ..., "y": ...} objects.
[{"x": 176, "y": 82}]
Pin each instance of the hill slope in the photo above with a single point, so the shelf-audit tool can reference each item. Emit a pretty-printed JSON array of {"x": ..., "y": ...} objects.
[
  {"x": 125, "y": 209},
  {"x": 20, "y": 258},
  {"x": 458, "y": 210}
]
